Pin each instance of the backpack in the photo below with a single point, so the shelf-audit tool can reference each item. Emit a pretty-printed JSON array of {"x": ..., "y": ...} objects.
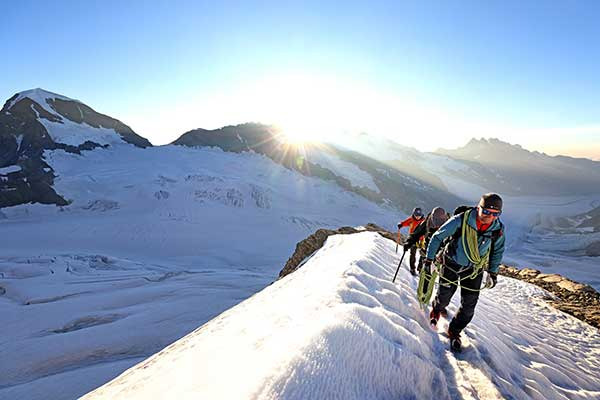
[{"x": 462, "y": 209}]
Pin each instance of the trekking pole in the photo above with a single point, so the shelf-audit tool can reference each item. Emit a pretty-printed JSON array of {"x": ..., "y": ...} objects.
[
  {"x": 397, "y": 240},
  {"x": 399, "y": 264}
]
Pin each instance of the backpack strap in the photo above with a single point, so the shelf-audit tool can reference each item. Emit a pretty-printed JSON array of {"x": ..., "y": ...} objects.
[
  {"x": 495, "y": 235},
  {"x": 452, "y": 243}
]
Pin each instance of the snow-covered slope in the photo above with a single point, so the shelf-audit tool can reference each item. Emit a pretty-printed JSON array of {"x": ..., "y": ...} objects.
[
  {"x": 36, "y": 120},
  {"x": 338, "y": 328},
  {"x": 154, "y": 243},
  {"x": 555, "y": 236}
]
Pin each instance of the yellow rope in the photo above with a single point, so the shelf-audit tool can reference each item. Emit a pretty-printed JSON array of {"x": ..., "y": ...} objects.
[
  {"x": 471, "y": 248},
  {"x": 439, "y": 269},
  {"x": 425, "y": 297}
]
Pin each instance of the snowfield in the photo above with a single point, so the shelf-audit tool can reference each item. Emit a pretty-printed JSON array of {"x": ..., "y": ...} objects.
[
  {"x": 339, "y": 329},
  {"x": 155, "y": 243}
]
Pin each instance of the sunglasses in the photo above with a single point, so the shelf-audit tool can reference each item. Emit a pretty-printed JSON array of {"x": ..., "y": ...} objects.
[{"x": 492, "y": 213}]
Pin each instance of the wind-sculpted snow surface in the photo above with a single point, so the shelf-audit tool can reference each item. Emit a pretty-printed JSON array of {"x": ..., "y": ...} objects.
[{"x": 339, "y": 329}]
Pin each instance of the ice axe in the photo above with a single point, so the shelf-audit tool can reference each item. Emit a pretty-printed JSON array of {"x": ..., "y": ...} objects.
[{"x": 399, "y": 264}]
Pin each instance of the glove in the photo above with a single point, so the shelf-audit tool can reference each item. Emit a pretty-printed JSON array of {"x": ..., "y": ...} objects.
[
  {"x": 406, "y": 248},
  {"x": 399, "y": 226},
  {"x": 427, "y": 265},
  {"x": 492, "y": 279}
]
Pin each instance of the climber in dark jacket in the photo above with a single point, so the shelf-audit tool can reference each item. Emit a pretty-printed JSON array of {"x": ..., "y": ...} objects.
[{"x": 421, "y": 236}]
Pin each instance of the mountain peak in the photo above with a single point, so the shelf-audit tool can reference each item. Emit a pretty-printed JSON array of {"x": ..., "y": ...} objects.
[
  {"x": 483, "y": 144},
  {"x": 69, "y": 121},
  {"x": 39, "y": 96}
]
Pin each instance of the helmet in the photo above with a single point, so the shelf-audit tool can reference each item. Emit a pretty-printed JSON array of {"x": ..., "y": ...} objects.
[{"x": 417, "y": 212}]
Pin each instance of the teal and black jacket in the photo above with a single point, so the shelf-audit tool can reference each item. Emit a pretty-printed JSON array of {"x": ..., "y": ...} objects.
[{"x": 455, "y": 249}]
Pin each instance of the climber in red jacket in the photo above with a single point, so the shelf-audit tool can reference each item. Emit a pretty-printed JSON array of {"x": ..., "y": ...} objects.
[{"x": 412, "y": 222}]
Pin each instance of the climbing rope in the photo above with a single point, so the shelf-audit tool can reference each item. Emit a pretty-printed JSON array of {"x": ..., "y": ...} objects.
[
  {"x": 471, "y": 248},
  {"x": 425, "y": 297},
  {"x": 438, "y": 268}
]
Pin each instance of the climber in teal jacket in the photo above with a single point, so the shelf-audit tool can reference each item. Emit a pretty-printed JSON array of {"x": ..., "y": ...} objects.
[
  {"x": 473, "y": 241},
  {"x": 485, "y": 238}
]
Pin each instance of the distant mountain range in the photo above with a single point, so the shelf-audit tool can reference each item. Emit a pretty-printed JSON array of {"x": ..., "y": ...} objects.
[
  {"x": 512, "y": 169},
  {"x": 379, "y": 170}
]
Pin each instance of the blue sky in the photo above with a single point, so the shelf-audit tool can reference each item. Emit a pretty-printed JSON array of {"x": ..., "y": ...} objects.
[{"x": 428, "y": 75}]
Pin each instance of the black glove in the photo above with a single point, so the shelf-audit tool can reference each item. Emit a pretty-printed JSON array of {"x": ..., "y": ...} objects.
[
  {"x": 427, "y": 264},
  {"x": 492, "y": 279},
  {"x": 406, "y": 247},
  {"x": 399, "y": 226}
]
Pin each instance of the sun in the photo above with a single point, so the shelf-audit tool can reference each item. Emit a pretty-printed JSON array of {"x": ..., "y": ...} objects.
[
  {"x": 305, "y": 108},
  {"x": 298, "y": 134}
]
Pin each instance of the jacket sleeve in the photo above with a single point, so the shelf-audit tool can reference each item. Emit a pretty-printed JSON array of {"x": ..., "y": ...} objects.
[
  {"x": 414, "y": 237},
  {"x": 496, "y": 257},
  {"x": 446, "y": 230},
  {"x": 404, "y": 223}
]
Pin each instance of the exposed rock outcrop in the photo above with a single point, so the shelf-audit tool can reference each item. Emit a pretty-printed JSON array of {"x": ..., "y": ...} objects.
[
  {"x": 315, "y": 241},
  {"x": 574, "y": 298}
]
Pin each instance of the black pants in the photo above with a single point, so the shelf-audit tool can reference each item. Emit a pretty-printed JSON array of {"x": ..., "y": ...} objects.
[
  {"x": 422, "y": 257},
  {"x": 413, "y": 258},
  {"x": 468, "y": 298}
]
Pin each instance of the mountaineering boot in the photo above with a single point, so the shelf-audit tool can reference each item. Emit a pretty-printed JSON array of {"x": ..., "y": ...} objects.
[
  {"x": 434, "y": 317},
  {"x": 444, "y": 313},
  {"x": 455, "y": 342},
  {"x": 413, "y": 272}
]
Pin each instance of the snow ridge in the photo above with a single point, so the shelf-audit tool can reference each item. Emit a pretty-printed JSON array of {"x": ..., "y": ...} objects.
[
  {"x": 40, "y": 96},
  {"x": 338, "y": 328}
]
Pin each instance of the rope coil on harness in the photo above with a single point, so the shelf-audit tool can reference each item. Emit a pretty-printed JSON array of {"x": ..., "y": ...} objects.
[
  {"x": 471, "y": 248},
  {"x": 425, "y": 297}
]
